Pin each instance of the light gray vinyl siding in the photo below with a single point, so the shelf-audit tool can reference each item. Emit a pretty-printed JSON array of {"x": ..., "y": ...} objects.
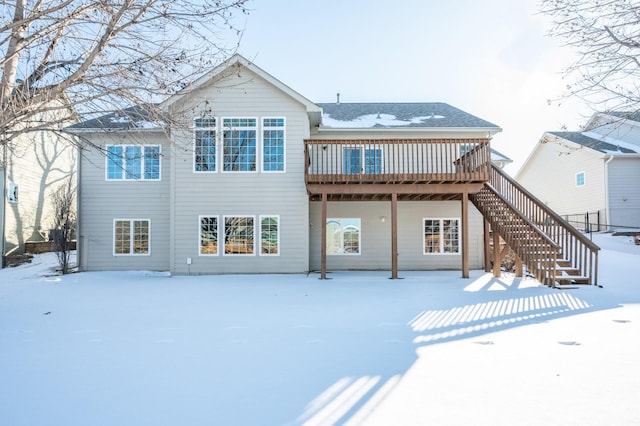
[
  {"x": 242, "y": 193},
  {"x": 376, "y": 235},
  {"x": 624, "y": 191},
  {"x": 550, "y": 175},
  {"x": 102, "y": 201}
]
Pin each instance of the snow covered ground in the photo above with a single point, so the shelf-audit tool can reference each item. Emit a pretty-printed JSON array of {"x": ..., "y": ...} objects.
[{"x": 141, "y": 348}]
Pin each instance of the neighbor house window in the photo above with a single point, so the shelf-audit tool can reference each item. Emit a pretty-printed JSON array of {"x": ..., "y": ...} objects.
[
  {"x": 208, "y": 235},
  {"x": 441, "y": 236},
  {"x": 205, "y": 145},
  {"x": 343, "y": 236},
  {"x": 273, "y": 144},
  {"x": 239, "y": 144},
  {"x": 12, "y": 192},
  {"x": 239, "y": 235},
  {"x": 131, "y": 237},
  {"x": 269, "y": 235},
  {"x": 133, "y": 162},
  {"x": 580, "y": 179}
]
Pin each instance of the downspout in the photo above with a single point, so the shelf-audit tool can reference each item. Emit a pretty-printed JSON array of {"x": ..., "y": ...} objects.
[{"x": 79, "y": 236}]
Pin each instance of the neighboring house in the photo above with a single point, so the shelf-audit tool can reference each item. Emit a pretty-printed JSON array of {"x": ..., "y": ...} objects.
[
  {"x": 590, "y": 176},
  {"x": 32, "y": 167},
  {"x": 262, "y": 180}
]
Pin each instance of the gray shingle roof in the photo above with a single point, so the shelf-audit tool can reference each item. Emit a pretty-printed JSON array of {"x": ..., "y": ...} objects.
[
  {"x": 628, "y": 115},
  {"x": 136, "y": 117},
  {"x": 592, "y": 143},
  {"x": 394, "y": 115}
]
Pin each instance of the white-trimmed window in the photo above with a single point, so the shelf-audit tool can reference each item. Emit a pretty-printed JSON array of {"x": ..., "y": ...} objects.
[
  {"x": 131, "y": 237},
  {"x": 204, "y": 152},
  {"x": 239, "y": 235},
  {"x": 273, "y": 144},
  {"x": 208, "y": 235},
  {"x": 580, "y": 179},
  {"x": 441, "y": 236},
  {"x": 133, "y": 162},
  {"x": 12, "y": 192},
  {"x": 239, "y": 144},
  {"x": 269, "y": 235},
  {"x": 343, "y": 236}
]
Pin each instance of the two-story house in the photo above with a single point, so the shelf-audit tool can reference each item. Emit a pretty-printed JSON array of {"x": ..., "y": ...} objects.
[
  {"x": 32, "y": 167},
  {"x": 590, "y": 176},
  {"x": 262, "y": 180}
]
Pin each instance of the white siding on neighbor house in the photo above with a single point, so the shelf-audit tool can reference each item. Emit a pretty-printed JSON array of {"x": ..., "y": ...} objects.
[
  {"x": 623, "y": 176},
  {"x": 376, "y": 235},
  {"x": 241, "y": 193},
  {"x": 102, "y": 201},
  {"x": 550, "y": 175},
  {"x": 38, "y": 163}
]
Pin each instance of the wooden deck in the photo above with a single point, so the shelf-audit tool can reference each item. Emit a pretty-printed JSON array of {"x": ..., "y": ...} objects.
[{"x": 414, "y": 169}]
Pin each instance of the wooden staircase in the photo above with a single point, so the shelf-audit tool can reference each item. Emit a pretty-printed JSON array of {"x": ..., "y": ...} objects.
[{"x": 556, "y": 253}]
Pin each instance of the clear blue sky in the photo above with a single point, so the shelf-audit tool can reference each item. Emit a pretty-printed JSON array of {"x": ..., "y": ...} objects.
[{"x": 489, "y": 58}]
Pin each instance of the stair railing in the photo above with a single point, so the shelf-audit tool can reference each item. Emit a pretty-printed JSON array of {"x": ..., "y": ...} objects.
[
  {"x": 537, "y": 250},
  {"x": 577, "y": 250}
]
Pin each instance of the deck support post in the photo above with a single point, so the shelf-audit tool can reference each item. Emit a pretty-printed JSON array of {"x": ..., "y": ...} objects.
[
  {"x": 323, "y": 239},
  {"x": 394, "y": 236},
  {"x": 519, "y": 269},
  {"x": 487, "y": 235},
  {"x": 465, "y": 235},
  {"x": 497, "y": 259}
]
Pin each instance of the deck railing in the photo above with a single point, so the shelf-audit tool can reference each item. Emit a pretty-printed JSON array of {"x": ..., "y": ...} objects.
[
  {"x": 577, "y": 249},
  {"x": 397, "y": 161}
]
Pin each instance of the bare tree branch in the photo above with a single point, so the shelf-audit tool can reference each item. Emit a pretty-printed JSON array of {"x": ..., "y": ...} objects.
[
  {"x": 102, "y": 56},
  {"x": 606, "y": 36}
]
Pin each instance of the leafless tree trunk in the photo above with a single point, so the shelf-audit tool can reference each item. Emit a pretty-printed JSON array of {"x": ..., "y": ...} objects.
[
  {"x": 91, "y": 57},
  {"x": 606, "y": 36},
  {"x": 64, "y": 223}
]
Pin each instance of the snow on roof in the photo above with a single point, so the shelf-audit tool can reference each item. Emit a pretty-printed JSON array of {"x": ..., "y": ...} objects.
[
  {"x": 598, "y": 142},
  {"x": 137, "y": 117},
  {"x": 394, "y": 115}
]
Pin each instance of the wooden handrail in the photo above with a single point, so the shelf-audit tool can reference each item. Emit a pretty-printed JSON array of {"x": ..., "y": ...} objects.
[
  {"x": 397, "y": 160},
  {"x": 579, "y": 251}
]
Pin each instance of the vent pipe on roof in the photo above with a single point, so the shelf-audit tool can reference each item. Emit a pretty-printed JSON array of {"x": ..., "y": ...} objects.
[{"x": 337, "y": 98}]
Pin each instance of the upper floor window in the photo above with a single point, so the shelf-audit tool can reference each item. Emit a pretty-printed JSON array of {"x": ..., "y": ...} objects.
[
  {"x": 580, "y": 179},
  {"x": 441, "y": 236},
  {"x": 133, "y": 162},
  {"x": 205, "y": 145},
  {"x": 352, "y": 160},
  {"x": 239, "y": 144},
  {"x": 273, "y": 144}
]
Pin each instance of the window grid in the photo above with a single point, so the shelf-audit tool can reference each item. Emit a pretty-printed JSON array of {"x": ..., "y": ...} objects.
[
  {"x": 208, "y": 235},
  {"x": 580, "y": 179},
  {"x": 239, "y": 235},
  {"x": 273, "y": 144},
  {"x": 441, "y": 236},
  {"x": 133, "y": 162},
  {"x": 204, "y": 145},
  {"x": 131, "y": 237},
  {"x": 269, "y": 235},
  {"x": 343, "y": 236},
  {"x": 239, "y": 144}
]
